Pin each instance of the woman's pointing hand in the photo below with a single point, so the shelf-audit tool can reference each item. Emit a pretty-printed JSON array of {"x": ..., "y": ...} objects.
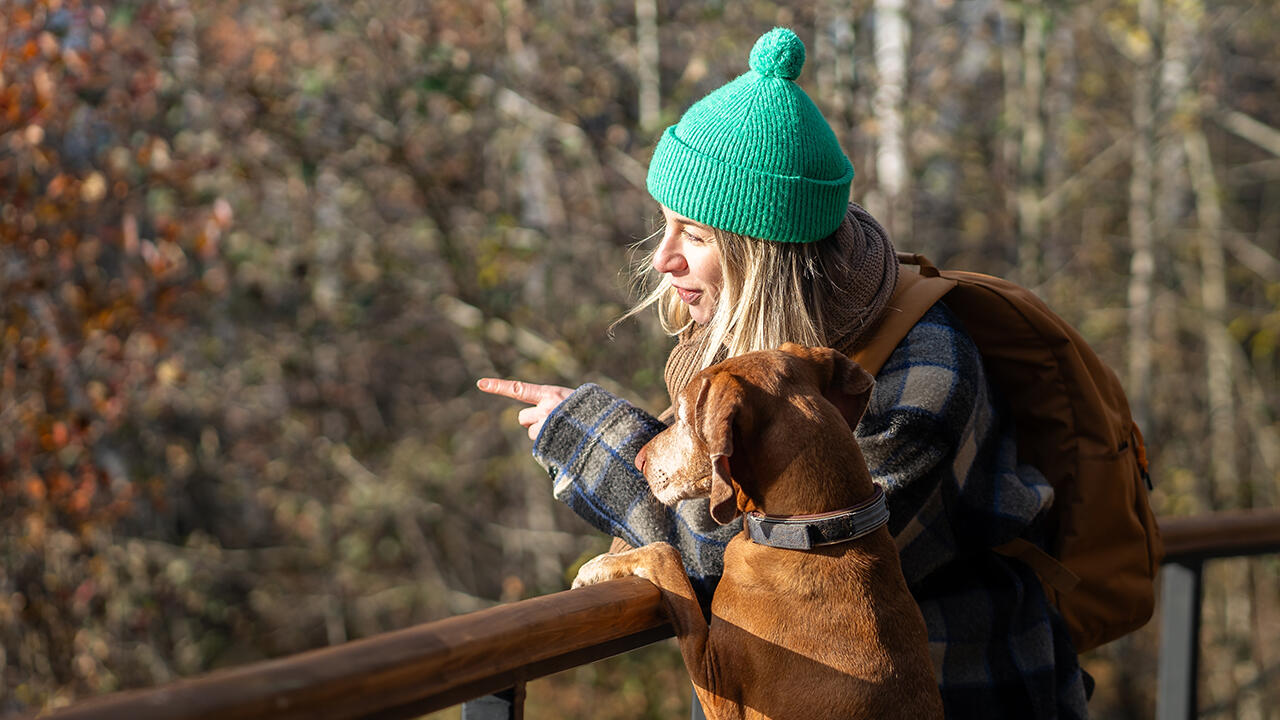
[{"x": 543, "y": 398}]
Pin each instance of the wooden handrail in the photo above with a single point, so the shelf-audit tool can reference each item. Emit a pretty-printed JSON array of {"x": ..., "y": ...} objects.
[
  {"x": 432, "y": 666},
  {"x": 414, "y": 671},
  {"x": 1220, "y": 534}
]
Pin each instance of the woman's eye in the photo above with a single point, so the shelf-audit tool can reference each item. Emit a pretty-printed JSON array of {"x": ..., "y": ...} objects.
[{"x": 693, "y": 237}]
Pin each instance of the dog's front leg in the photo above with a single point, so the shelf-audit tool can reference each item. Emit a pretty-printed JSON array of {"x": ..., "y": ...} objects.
[{"x": 660, "y": 564}]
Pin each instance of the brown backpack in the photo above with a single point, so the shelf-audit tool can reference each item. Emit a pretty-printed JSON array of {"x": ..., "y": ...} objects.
[{"x": 1073, "y": 424}]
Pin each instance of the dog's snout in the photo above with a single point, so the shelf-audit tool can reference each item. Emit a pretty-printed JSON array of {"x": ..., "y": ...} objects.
[{"x": 640, "y": 457}]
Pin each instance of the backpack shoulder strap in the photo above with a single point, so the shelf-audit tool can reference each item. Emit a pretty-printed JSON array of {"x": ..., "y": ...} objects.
[
  {"x": 914, "y": 294},
  {"x": 1049, "y": 569}
]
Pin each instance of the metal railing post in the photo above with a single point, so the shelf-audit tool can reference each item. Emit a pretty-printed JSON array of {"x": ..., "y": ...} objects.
[
  {"x": 503, "y": 705},
  {"x": 696, "y": 707},
  {"x": 1179, "y": 640}
]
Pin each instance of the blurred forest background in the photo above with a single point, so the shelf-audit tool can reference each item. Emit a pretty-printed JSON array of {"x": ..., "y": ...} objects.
[{"x": 254, "y": 253}]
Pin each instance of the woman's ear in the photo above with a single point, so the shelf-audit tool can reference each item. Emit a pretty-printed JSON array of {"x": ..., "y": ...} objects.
[{"x": 717, "y": 412}]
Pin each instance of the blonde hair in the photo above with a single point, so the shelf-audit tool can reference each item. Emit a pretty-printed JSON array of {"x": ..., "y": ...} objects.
[{"x": 770, "y": 293}]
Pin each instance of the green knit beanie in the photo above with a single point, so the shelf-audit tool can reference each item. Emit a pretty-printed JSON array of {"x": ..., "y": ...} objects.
[{"x": 755, "y": 156}]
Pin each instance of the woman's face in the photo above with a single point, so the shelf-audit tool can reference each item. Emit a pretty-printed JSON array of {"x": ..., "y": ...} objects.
[{"x": 688, "y": 254}]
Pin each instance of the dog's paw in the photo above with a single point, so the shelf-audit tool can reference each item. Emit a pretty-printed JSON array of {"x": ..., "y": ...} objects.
[{"x": 601, "y": 568}]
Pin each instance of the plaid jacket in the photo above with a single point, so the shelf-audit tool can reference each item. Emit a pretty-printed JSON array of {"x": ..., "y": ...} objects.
[{"x": 946, "y": 459}]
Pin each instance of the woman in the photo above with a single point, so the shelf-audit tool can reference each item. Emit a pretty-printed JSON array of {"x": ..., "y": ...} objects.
[{"x": 761, "y": 247}]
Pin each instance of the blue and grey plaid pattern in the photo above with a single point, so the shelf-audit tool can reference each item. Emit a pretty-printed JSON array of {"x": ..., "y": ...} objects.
[
  {"x": 947, "y": 461},
  {"x": 589, "y": 446}
]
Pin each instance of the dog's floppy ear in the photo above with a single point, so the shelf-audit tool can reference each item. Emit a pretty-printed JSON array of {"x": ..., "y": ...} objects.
[
  {"x": 717, "y": 410},
  {"x": 843, "y": 382},
  {"x": 849, "y": 387},
  {"x": 724, "y": 495}
]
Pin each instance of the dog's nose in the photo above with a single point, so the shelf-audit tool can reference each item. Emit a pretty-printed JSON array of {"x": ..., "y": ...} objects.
[{"x": 640, "y": 459}]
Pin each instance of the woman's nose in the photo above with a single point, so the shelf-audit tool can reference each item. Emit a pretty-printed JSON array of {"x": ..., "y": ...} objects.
[{"x": 667, "y": 259}]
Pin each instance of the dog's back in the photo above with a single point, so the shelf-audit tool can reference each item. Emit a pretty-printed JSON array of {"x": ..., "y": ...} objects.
[{"x": 825, "y": 633}]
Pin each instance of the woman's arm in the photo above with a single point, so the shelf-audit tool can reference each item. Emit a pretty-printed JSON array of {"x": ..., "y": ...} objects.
[{"x": 588, "y": 445}]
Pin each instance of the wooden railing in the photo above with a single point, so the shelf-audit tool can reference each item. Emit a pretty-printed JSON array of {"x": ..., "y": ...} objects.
[
  {"x": 414, "y": 671},
  {"x": 435, "y": 665}
]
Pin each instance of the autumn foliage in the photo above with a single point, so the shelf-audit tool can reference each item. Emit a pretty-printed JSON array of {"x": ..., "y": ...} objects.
[
  {"x": 109, "y": 249},
  {"x": 253, "y": 254},
  {"x": 225, "y": 439}
]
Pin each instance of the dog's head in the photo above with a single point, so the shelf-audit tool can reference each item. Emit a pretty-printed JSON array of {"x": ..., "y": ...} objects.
[{"x": 747, "y": 418}]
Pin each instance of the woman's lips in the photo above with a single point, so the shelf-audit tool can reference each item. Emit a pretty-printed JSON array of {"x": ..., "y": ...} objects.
[{"x": 688, "y": 296}]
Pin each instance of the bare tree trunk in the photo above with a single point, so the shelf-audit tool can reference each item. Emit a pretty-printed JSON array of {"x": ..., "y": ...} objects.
[
  {"x": 1231, "y": 608},
  {"x": 1012, "y": 110},
  {"x": 539, "y": 516},
  {"x": 647, "y": 78},
  {"x": 540, "y": 205},
  {"x": 1224, "y": 489},
  {"x": 833, "y": 55},
  {"x": 1141, "y": 223},
  {"x": 515, "y": 26},
  {"x": 1171, "y": 179},
  {"x": 329, "y": 241},
  {"x": 1266, "y": 440},
  {"x": 892, "y": 38},
  {"x": 1061, "y": 89},
  {"x": 1031, "y": 153}
]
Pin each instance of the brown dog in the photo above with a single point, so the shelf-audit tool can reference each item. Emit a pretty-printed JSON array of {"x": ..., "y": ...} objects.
[{"x": 825, "y": 632}]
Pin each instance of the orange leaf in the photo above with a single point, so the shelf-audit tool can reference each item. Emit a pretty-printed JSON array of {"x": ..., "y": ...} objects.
[
  {"x": 56, "y": 186},
  {"x": 35, "y": 488}
]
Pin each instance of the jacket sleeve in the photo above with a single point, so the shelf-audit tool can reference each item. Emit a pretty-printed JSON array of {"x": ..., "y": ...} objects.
[{"x": 588, "y": 446}]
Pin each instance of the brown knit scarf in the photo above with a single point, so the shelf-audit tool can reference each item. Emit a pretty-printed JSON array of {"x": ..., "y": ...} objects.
[{"x": 869, "y": 277}]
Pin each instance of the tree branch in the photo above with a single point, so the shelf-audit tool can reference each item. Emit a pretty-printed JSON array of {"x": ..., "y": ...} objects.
[
  {"x": 1102, "y": 163},
  {"x": 1251, "y": 255},
  {"x": 1256, "y": 132}
]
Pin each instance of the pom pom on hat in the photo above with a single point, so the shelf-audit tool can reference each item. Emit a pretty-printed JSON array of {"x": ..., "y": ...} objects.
[
  {"x": 778, "y": 53},
  {"x": 755, "y": 156}
]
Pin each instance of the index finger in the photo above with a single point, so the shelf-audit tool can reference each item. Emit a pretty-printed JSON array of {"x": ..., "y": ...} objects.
[{"x": 516, "y": 390}]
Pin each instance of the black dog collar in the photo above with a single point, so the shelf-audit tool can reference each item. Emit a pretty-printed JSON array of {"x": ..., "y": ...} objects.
[{"x": 803, "y": 532}]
